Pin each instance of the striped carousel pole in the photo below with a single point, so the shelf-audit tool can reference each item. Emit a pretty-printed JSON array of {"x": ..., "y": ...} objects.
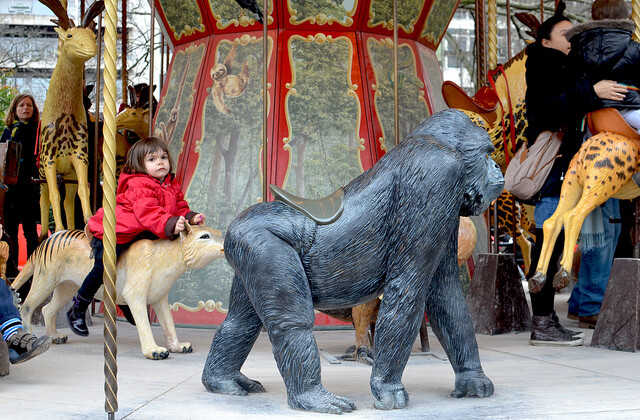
[{"x": 109, "y": 202}]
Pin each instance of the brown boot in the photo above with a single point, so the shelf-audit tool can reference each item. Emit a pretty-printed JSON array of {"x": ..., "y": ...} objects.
[
  {"x": 588, "y": 321},
  {"x": 545, "y": 333}
]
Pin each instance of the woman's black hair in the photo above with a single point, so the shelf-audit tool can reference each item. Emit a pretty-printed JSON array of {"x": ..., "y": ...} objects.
[{"x": 544, "y": 31}]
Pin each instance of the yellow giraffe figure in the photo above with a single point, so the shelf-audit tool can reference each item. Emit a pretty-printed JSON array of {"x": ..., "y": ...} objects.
[
  {"x": 63, "y": 128},
  {"x": 602, "y": 168}
]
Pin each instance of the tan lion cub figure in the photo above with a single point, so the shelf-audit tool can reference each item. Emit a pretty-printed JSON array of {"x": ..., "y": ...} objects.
[{"x": 146, "y": 272}]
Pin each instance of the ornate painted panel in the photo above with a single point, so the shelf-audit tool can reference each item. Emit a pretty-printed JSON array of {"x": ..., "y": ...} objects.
[
  {"x": 176, "y": 105},
  {"x": 230, "y": 17},
  {"x": 381, "y": 14},
  {"x": 413, "y": 106},
  {"x": 183, "y": 19},
  {"x": 322, "y": 12},
  {"x": 323, "y": 112},
  {"x": 227, "y": 153},
  {"x": 433, "y": 77},
  {"x": 437, "y": 22}
]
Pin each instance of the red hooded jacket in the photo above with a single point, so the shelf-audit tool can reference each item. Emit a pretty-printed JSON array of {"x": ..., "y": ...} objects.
[{"x": 144, "y": 204}]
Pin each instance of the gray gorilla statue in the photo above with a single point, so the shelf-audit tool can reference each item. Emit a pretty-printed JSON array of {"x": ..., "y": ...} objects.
[{"x": 397, "y": 235}]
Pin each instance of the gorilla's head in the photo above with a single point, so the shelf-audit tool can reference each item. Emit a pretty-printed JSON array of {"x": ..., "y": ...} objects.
[{"x": 483, "y": 179}]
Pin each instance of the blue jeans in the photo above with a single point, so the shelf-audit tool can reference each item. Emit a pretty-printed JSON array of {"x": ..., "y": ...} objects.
[
  {"x": 7, "y": 309},
  {"x": 595, "y": 267}
]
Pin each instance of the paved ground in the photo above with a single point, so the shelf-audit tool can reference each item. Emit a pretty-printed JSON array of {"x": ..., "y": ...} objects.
[{"x": 531, "y": 382}]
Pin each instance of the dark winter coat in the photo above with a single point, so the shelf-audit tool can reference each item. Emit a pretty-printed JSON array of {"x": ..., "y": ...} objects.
[
  {"x": 603, "y": 50},
  {"x": 25, "y": 134},
  {"x": 144, "y": 204},
  {"x": 557, "y": 98}
]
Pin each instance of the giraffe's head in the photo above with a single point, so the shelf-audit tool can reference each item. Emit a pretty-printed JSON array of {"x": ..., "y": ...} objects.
[
  {"x": 134, "y": 119},
  {"x": 78, "y": 43}
]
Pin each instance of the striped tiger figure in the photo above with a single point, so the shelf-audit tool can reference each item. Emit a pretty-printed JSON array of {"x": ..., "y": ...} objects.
[{"x": 146, "y": 271}]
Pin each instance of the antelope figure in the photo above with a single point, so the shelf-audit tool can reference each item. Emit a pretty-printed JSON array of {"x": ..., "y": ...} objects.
[{"x": 63, "y": 132}]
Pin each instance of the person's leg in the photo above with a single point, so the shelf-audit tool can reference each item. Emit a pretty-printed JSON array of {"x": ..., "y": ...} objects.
[
  {"x": 595, "y": 266},
  {"x": 632, "y": 117},
  {"x": 546, "y": 329},
  {"x": 11, "y": 222},
  {"x": 21, "y": 344},
  {"x": 30, "y": 217},
  {"x": 92, "y": 282}
]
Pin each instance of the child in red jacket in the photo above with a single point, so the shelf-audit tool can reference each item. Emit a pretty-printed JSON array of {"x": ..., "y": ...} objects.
[{"x": 149, "y": 199}]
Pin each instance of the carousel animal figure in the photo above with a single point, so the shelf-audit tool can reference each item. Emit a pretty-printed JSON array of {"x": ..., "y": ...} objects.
[
  {"x": 134, "y": 119},
  {"x": 396, "y": 234},
  {"x": 63, "y": 133},
  {"x": 363, "y": 317},
  {"x": 604, "y": 167},
  {"x": 146, "y": 271}
]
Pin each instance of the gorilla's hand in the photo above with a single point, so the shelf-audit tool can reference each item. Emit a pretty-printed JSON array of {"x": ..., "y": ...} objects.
[
  {"x": 472, "y": 384},
  {"x": 389, "y": 395}
]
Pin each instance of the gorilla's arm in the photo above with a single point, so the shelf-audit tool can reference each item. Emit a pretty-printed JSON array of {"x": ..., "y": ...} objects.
[{"x": 450, "y": 321}]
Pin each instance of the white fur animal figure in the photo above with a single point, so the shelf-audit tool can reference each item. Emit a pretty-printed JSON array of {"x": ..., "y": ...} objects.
[{"x": 146, "y": 272}]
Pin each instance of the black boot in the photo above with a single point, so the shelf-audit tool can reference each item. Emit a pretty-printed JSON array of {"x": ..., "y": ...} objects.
[
  {"x": 545, "y": 333},
  {"x": 76, "y": 316}
]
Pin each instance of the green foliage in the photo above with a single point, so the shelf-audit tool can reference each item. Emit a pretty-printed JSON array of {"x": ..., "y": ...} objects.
[
  {"x": 323, "y": 119},
  {"x": 230, "y": 10},
  {"x": 311, "y": 8},
  {"x": 183, "y": 16},
  {"x": 408, "y": 12},
  {"x": 188, "y": 62},
  {"x": 227, "y": 177},
  {"x": 7, "y": 92},
  {"x": 413, "y": 109}
]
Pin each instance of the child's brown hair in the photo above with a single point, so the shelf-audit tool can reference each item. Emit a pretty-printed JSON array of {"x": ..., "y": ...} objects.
[
  {"x": 142, "y": 148},
  {"x": 610, "y": 9},
  {"x": 11, "y": 115}
]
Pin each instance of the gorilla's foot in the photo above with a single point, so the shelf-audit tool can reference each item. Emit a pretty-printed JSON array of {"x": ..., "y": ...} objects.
[
  {"x": 536, "y": 282},
  {"x": 562, "y": 279},
  {"x": 322, "y": 401},
  {"x": 472, "y": 384},
  {"x": 389, "y": 395},
  {"x": 240, "y": 385}
]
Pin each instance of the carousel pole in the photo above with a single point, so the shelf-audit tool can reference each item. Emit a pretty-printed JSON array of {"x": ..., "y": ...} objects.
[
  {"x": 509, "y": 55},
  {"x": 125, "y": 73},
  {"x": 492, "y": 30},
  {"x": 481, "y": 59},
  {"x": 109, "y": 203},
  {"x": 151, "y": 54},
  {"x": 635, "y": 14},
  {"x": 96, "y": 133},
  {"x": 161, "y": 81},
  {"x": 265, "y": 95},
  {"x": 396, "y": 102}
]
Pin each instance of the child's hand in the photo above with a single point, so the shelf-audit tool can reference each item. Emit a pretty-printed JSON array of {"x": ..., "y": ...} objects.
[
  {"x": 197, "y": 219},
  {"x": 179, "y": 225}
]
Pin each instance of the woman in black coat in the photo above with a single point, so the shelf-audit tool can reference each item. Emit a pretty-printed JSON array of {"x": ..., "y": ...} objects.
[
  {"x": 21, "y": 202},
  {"x": 557, "y": 98}
]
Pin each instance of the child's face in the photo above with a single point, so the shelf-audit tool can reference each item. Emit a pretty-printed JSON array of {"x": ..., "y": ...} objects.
[
  {"x": 24, "y": 109},
  {"x": 157, "y": 164}
]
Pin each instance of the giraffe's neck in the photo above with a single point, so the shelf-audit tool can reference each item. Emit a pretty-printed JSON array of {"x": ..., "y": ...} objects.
[{"x": 65, "y": 91}]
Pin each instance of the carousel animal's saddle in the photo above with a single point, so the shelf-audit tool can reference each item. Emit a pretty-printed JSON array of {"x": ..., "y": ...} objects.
[
  {"x": 484, "y": 102},
  {"x": 324, "y": 211},
  {"x": 610, "y": 120}
]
